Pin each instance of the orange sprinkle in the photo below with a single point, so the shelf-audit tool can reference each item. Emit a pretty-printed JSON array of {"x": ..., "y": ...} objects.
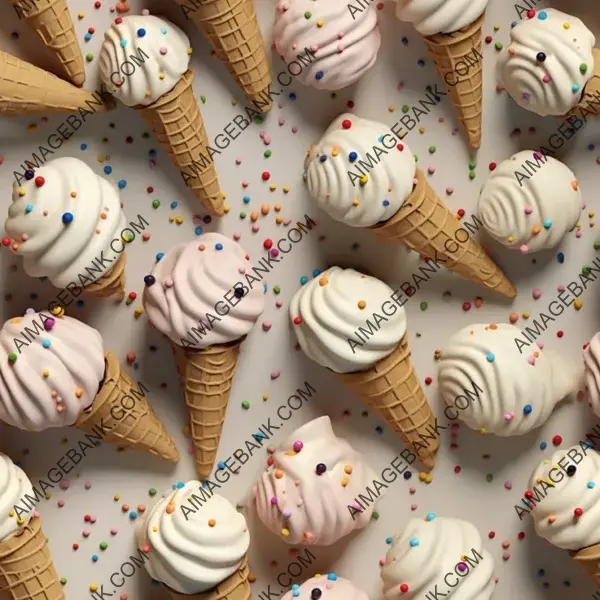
[
  {"x": 170, "y": 508},
  {"x": 348, "y": 469},
  {"x": 78, "y": 392},
  {"x": 264, "y": 209},
  {"x": 278, "y": 474},
  {"x": 323, "y": 281},
  {"x": 201, "y": 247},
  {"x": 536, "y": 229},
  {"x": 575, "y": 184},
  {"x": 103, "y": 215},
  {"x": 362, "y": 304},
  {"x": 493, "y": 326},
  {"x": 211, "y": 522}
]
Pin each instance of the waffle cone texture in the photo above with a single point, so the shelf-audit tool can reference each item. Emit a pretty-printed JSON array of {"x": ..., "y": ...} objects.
[
  {"x": 27, "y": 90},
  {"x": 232, "y": 29},
  {"x": 235, "y": 587},
  {"x": 206, "y": 377},
  {"x": 26, "y": 568},
  {"x": 589, "y": 559},
  {"x": 177, "y": 123},
  {"x": 590, "y": 99},
  {"x": 449, "y": 51},
  {"x": 52, "y": 22},
  {"x": 425, "y": 224},
  {"x": 392, "y": 389},
  {"x": 110, "y": 285},
  {"x": 125, "y": 418}
]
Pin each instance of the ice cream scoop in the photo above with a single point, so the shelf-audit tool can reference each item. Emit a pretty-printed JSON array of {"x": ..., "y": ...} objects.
[
  {"x": 329, "y": 587},
  {"x": 591, "y": 358},
  {"x": 548, "y": 62},
  {"x": 66, "y": 223},
  {"x": 439, "y": 16},
  {"x": 308, "y": 495},
  {"x": 530, "y": 202},
  {"x": 194, "y": 544},
  {"x": 328, "y": 312},
  {"x": 50, "y": 370},
  {"x": 201, "y": 293},
  {"x": 14, "y": 485},
  {"x": 488, "y": 383},
  {"x": 436, "y": 557},
  {"x": 142, "y": 58},
  {"x": 342, "y": 45},
  {"x": 349, "y": 145}
]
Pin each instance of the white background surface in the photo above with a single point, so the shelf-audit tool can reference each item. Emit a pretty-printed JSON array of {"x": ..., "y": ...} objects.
[{"x": 467, "y": 495}]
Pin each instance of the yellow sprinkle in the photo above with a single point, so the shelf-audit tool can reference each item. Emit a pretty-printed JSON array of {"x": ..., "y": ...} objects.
[
  {"x": 525, "y": 315},
  {"x": 566, "y": 25},
  {"x": 286, "y": 189},
  {"x": 80, "y": 15},
  {"x": 161, "y": 76},
  {"x": 45, "y": 372},
  {"x": 171, "y": 219},
  {"x": 591, "y": 214},
  {"x": 22, "y": 191},
  {"x": 278, "y": 220},
  {"x": 189, "y": 51},
  {"x": 265, "y": 396},
  {"x": 179, "y": 220},
  {"x": 345, "y": 481},
  {"x": 496, "y": 27},
  {"x": 482, "y": 430},
  {"x": 16, "y": 320},
  {"x": 320, "y": 23},
  {"x": 138, "y": 312},
  {"x": 578, "y": 304},
  {"x": 510, "y": 239},
  {"x": 32, "y": 127},
  {"x": 422, "y": 130},
  {"x": 285, "y": 532},
  {"x": 154, "y": 527},
  {"x": 234, "y": 101},
  {"x": 428, "y": 478},
  {"x": 272, "y": 187},
  {"x": 355, "y": 202},
  {"x": 93, "y": 586},
  {"x": 116, "y": 497},
  {"x": 20, "y": 520},
  {"x": 335, "y": 152},
  {"x": 364, "y": 179},
  {"x": 391, "y": 108}
]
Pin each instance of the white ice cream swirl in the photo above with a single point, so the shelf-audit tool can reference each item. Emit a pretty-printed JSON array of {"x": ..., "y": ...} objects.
[
  {"x": 548, "y": 62},
  {"x": 328, "y": 313},
  {"x": 63, "y": 222},
  {"x": 485, "y": 381},
  {"x": 562, "y": 485},
  {"x": 194, "y": 554},
  {"x": 14, "y": 485},
  {"x": 439, "y": 16},
  {"x": 303, "y": 505},
  {"x": 50, "y": 370},
  {"x": 359, "y": 146},
  {"x": 438, "y": 557},
  {"x": 142, "y": 58},
  {"x": 591, "y": 358},
  {"x": 331, "y": 587},
  {"x": 527, "y": 210},
  {"x": 325, "y": 45}
]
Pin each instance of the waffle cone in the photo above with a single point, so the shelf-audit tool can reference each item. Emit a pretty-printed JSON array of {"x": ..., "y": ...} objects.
[
  {"x": 111, "y": 284},
  {"x": 235, "y": 587},
  {"x": 176, "y": 120},
  {"x": 449, "y": 50},
  {"x": 232, "y": 29},
  {"x": 589, "y": 558},
  {"x": 26, "y": 568},
  {"x": 52, "y": 22},
  {"x": 121, "y": 416},
  {"x": 26, "y": 90},
  {"x": 590, "y": 99},
  {"x": 206, "y": 377},
  {"x": 392, "y": 389},
  {"x": 425, "y": 224}
]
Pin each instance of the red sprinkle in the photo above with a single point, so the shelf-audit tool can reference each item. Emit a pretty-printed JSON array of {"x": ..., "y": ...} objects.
[
  {"x": 492, "y": 166},
  {"x": 75, "y": 546},
  {"x": 521, "y": 535},
  {"x": 428, "y": 380},
  {"x": 492, "y": 535},
  {"x": 87, "y": 518},
  {"x": 557, "y": 440},
  {"x": 457, "y": 469},
  {"x": 461, "y": 212},
  {"x": 560, "y": 333},
  {"x": 404, "y": 588},
  {"x": 39, "y": 181},
  {"x": 578, "y": 512},
  {"x": 488, "y": 39},
  {"x": 118, "y": 21},
  {"x": 5, "y": 241},
  {"x": 266, "y": 175},
  {"x": 466, "y": 306},
  {"x": 297, "y": 320},
  {"x": 350, "y": 104},
  {"x": 132, "y": 295},
  {"x": 346, "y": 123},
  {"x": 400, "y": 147},
  {"x": 530, "y": 14},
  {"x": 149, "y": 189},
  {"x": 97, "y": 4},
  {"x": 267, "y": 244},
  {"x": 91, "y": 30},
  {"x": 528, "y": 494}
]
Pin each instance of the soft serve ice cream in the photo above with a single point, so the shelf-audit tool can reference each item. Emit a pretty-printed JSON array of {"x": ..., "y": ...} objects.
[
  {"x": 324, "y": 44},
  {"x": 193, "y": 287},
  {"x": 439, "y": 16},
  {"x": 192, "y": 551},
  {"x": 161, "y": 46},
  {"x": 486, "y": 382},
  {"x": 330, "y": 586},
  {"x": 14, "y": 485},
  {"x": 528, "y": 210},
  {"x": 436, "y": 557},
  {"x": 305, "y": 494},
  {"x": 338, "y": 181},
  {"x": 66, "y": 222},
  {"x": 548, "y": 62},
  {"x": 50, "y": 370},
  {"x": 591, "y": 358}
]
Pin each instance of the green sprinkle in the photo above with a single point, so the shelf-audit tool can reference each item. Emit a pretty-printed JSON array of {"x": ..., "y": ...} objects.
[
  {"x": 63, "y": 580},
  {"x": 155, "y": 203},
  {"x": 489, "y": 478},
  {"x": 416, "y": 157},
  {"x": 242, "y": 216},
  {"x": 472, "y": 175},
  {"x": 432, "y": 149},
  {"x": 424, "y": 305},
  {"x": 258, "y": 120},
  {"x": 12, "y": 357},
  {"x": 307, "y": 14},
  {"x": 405, "y": 108},
  {"x": 203, "y": 99},
  {"x": 586, "y": 271},
  {"x": 583, "y": 67},
  {"x": 375, "y": 515},
  {"x": 472, "y": 165},
  {"x": 276, "y": 289},
  {"x": 498, "y": 45},
  {"x": 596, "y": 245},
  {"x": 245, "y": 404},
  {"x": 152, "y": 491},
  {"x": 267, "y": 153},
  {"x": 103, "y": 545},
  {"x": 89, "y": 57}
]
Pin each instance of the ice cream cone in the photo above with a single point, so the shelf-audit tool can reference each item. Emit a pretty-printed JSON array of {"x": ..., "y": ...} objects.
[
  {"x": 112, "y": 284},
  {"x": 232, "y": 29},
  {"x": 447, "y": 50},
  {"x": 589, "y": 558},
  {"x": 206, "y": 377},
  {"x": 26, "y": 89},
  {"x": 590, "y": 99},
  {"x": 121, "y": 416},
  {"x": 392, "y": 389},
  {"x": 425, "y": 224},
  {"x": 51, "y": 20},
  {"x": 176, "y": 120},
  {"x": 26, "y": 568},
  {"x": 235, "y": 587}
]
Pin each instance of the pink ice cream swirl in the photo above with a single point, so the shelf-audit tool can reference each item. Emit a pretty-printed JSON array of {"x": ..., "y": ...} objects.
[
  {"x": 331, "y": 587},
  {"x": 591, "y": 359},
  {"x": 304, "y": 496},
  {"x": 192, "y": 294},
  {"x": 50, "y": 370}
]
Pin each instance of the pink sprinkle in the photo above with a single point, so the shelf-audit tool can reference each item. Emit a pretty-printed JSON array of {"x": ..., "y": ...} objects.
[
  {"x": 546, "y": 79},
  {"x": 255, "y": 227},
  {"x": 294, "y": 129},
  {"x": 508, "y": 417},
  {"x": 266, "y": 326},
  {"x": 505, "y": 555},
  {"x": 528, "y": 210},
  {"x": 431, "y": 170},
  {"x": 266, "y": 139},
  {"x": 536, "y": 293},
  {"x": 508, "y": 485},
  {"x": 281, "y": 121},
  {"x": 86, "y": 533},
  {"x": 298, "y": 445},
  {"x": 36, "y": 514},
  {"x": 381, "y": 562},
  {"x": 245, "y": 183},
  {"x": 236, "y": 236},
  {"x": 506, "y": 545},
  {"x": 412, "y": 490},
  {"x": 287, "y": 221},
  {"x": 241, "y": 270},
  {"x": 285, "y": 6},
  {"x": 413, "y": 507},
  {"x": 93, "y": 520},
  {"x": 278, "y": 303},
  {"x": 61, "y": 503},
  {"x": 294, "y": 46},
  {"x": 273, "y": 500},
  {"x": 65, "y": 484},
  {"x": 314, "y": 47},
  {"x": 275, "y": 374},
  {"x": 163, "y": 50},
  {"x": 168, "y": 282},
  {"x": 578, "y": 233},
  {"x": 114, "y": 531},
  {"x": 274, "y": 252},
  {"x": 238, "y": 161},
  {"x": 340, "y": 35},
  {"x": 524, "y": 248},
  {"x": 340, "y": 48},
  {"x": 449, "y": 190},
  {"x": 561, "y": 288},
  {"x": 531, "y": 359},
  {"x": 87, "y": 485}
]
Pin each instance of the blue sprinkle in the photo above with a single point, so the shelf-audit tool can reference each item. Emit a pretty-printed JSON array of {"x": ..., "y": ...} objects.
[
  {"x": 588, "y": 445},
  {"x": 246, "y": 199},
  {"x": 541, "y": 573},
  {"x": 107, "y": 170},
  {"x": 180, "y": 485},
  {"x": 122, "y": 183},
  {"x": 542, "y": 15},
  {"x": 220, "y": 464},
  {"x": 152, "y": 153},
  {"x": 141, "y": 32},
  {"x": 87, "y": 37},
  {"x": 198, "y": 230},
  {"x": 513, "y": 24},
  {"x": 95, "y": 557},
  {"x": 292, "y": 96},
  {"x": 295, "y": 593},
  {"x": 330, "y": 576},
  {"x": 83, "y": 146},
  {"x": 421, "y": 62},
  {"x": 591, "y": 485},
  {"x": 543, "y": 445},
  {"x": 219, "y": 246},
  {"x": 29, "y": 208},
  {"x": 80, "y": 303},
  {"x": 386, "y": 202},
  {"x": 319, "y": 75},
  {"x": 575, "y": 88},
  {"x": 123, "y": 43},
  {"x": 46, "y": 343},
  {"x": 164, "y": 31},
  {"x": 159, "y": 256},
  {"x": 379, "y": 430},
  {"x": 258, "y": 436},
  {"x": 414, "y": 542},
  {"x": 322, "y": 158},
  {"x": 430, "y": 516},
  {"x": 490, "y": 357},
  {"x": 67, "y": 218},
  {"x": 379, "y": 138},
  {"x": 407, "y": 474},
  {"x": 173, "y": 204},
  {"x": 303, "y": 280},
  {"x": 547, "y": 224},
  {"x": 316, "y": 272},
  {"x": 591, "y": 147},
  {"x": 388, "y": 540},
  {"x": 352, "y": 156},
  {"x": 560, "y": 257},
  {"x": 527, "y": 409},
  {"x": 133, "y": 515}
]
